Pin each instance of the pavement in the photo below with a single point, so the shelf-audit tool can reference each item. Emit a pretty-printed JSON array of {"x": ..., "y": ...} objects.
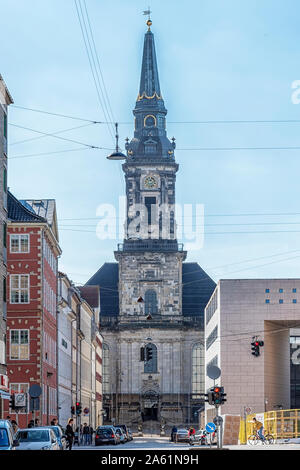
[{"x": 150, "y": 442}]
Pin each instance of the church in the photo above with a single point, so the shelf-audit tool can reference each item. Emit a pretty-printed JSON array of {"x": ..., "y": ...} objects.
[{"x": 152, "y": 300}]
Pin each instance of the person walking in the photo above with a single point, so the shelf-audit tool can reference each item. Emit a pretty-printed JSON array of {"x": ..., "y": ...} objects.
[
  {"x": 54, "y": 422},
  {"x": 70, "y": 433},
  {"x": 86, "y": 432},
  {"x": 14, "y": 426},
  {"x": 31, "y": 424},
  {"x": 173, "y": 433},
  {"x": 91, "y": 435}
]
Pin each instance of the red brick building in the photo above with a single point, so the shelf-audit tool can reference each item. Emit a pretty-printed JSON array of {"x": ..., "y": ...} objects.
[{"x": 32, "y": 252}]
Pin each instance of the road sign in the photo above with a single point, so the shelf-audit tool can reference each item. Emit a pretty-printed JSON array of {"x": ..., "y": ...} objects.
[
  {"x": 34, "y": 404},
  {"x": 20, "y": 400},
  {"x": 213, "y": 372},
  {"x": 35, "y": 391},
  {"x": 218, "y": 420},
  {"x": 86, "y": 411},
  {"x": 210, "y": 427}
]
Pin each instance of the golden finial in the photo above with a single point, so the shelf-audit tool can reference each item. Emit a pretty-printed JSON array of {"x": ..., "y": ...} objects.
[{"x": 149, "y": 22}]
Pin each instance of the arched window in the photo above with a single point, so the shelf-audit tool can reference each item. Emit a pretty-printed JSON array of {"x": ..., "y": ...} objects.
[
  {"x": 150, "y": 366},
  {"x": 198, "y": 362},
  {"x": 150, "y": 302},
  {"x": 105, "y": 369}
]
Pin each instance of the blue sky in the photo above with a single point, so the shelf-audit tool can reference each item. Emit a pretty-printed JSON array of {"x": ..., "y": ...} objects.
[{"x": 218, "y": 60}]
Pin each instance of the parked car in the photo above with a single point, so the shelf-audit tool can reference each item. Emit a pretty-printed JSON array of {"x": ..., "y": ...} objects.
[
  {"x": 200, "y": 437},
  {"x": 106, "y": 435},
  {"x": 39, "y": 438},
  {"x": 123, "y": 436},
  {"x": 125, "y": 429},
  {"x": 61, "y": 438},
  {"x": 182, "y": 435},
  {"x": 7, "y": 438}
]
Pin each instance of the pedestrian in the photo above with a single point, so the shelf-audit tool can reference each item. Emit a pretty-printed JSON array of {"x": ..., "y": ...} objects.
[
  {"x": 31, "y": 424},
  {"x": 70, "y": 433},
  {"x": 86, "y": 432},
  {"x": 54, "y": 422},
  {"x": 91, "y": 435},
  {"x": 8, "y": 418},
  {"x": 14, "y": 426},
  {"x": 81, "y": 435},
  {"x": 37, "y": 422},
  {"x": 173, "y": 433}
]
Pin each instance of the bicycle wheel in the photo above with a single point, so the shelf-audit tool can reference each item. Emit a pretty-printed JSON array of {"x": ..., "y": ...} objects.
[
  {"x": 269, "y": 438},
  {"x": 252, "y": 440}
]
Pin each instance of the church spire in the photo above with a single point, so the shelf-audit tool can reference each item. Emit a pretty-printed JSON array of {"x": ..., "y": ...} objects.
[
  {"x": 149, "y": 83},
  {"x": 150, "y": 139}
]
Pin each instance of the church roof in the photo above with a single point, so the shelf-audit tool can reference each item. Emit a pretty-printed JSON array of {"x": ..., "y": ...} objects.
[
  {"x": 107, "y": 278},
  {"x": 197, "y": 289},
  {"x": 149, "y": 83}
]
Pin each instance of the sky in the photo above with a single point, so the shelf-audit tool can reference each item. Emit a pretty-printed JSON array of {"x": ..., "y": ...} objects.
[{"x": 218, "y": 60}]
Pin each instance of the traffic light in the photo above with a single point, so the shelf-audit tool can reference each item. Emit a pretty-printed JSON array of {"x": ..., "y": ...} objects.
[
  {"x": 149, "y": 353},
  {"x": 215, "y": 396},
  {"x": 12, "y": 402},
  {"x": 72, "y": 410},
  {"x": 142, "y": 354},
  {"x": 255, "y": 345},
  {"x": 78, "y": 408}
]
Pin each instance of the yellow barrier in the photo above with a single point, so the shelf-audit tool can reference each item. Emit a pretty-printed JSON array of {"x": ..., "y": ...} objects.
[{"x": 281, "y": 424}]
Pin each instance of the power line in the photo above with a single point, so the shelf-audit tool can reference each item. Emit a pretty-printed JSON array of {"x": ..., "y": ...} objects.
[
  {"x": 47, "y": 134},
  {"x": 53, "y": 134},
  {"x": 92, "y": 62},
  {"x": 92, "y": 121},
  {"x": 55, "y": 152}
]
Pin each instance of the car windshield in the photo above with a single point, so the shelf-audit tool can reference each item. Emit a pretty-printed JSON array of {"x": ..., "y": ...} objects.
[
  {"x": 3, "y": 438},
  {"x": 33, "y": 436}
]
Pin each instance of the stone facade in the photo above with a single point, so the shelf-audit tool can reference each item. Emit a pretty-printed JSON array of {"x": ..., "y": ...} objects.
[{"x": 238, "y": 312}]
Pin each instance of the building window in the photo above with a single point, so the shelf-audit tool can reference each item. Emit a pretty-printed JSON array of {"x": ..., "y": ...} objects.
[
  {"x": 19, "y": 344},
  {"x": 5, "y": 125},
  {"x": 294, "y": 301},
  {"x": 267, "y": 291},
  {"x": 212, "y": 338},
  {"x": 150, "y": 302},
  {"x": 281, "y": 301},
  {"x": 280, "y": 290},
  {"x": 19, "y": 243},
  {"x": 294, "y": 290},
  {"x": 5, "y": 180},
  {"x": 105, "y": 369},
  {"x": 151, "y": 365},
  {"x": 19, "y": 288},
  {"x": 267, "y": 301},
  {"x": 198, "y": 362},
  {"x": 4, "y": 234},
  {"x": 4, "y": 289}
]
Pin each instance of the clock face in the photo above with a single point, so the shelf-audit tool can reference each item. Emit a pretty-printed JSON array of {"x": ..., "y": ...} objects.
[
  {"x": 150, "y": 182},
  {"x": 149, "y": 121}
]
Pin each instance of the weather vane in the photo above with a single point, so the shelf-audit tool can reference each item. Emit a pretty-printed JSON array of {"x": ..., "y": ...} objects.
[{"x": 149, "y": 22}]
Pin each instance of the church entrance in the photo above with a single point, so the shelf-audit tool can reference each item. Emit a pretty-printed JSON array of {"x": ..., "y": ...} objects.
[{"x": 150, "y": 406}]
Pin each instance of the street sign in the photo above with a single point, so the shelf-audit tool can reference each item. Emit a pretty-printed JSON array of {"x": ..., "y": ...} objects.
[
  {"x": 35, "y": 391},
  {"x": 34, "y": 404},
  {"x": 86, "y": 411},
  {"x": 213, "y": 372},
  {"x": 210, "y": 427},
  {"x": 218, "y": 420},
  {"x": 20, "y": 400}
]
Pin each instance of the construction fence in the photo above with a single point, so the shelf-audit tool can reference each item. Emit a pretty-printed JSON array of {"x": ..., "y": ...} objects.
[{"x": 281, "y": 424}]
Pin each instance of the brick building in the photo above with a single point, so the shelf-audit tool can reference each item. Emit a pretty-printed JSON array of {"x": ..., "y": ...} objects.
[
  {"x": 32, "y": 252},
  {"x": 5, "y": 101}
]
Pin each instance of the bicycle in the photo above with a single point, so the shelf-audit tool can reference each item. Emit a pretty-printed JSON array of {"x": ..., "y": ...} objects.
[{"x": 254, "y": 439}]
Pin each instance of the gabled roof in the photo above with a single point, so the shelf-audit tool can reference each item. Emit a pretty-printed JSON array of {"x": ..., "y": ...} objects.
[
  {"x": 45, "y": 208},
  {"x": 17, "y": 212}
]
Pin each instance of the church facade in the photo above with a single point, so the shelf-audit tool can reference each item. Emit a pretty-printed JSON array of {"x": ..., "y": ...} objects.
[{"x": 152, "y": 300}]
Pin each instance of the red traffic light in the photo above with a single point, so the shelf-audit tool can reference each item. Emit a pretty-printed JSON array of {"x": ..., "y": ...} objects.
[{"x": 216, "y": 389}]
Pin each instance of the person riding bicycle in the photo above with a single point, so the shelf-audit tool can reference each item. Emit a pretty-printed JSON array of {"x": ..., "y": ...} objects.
[{"x": 259, "y": 428}]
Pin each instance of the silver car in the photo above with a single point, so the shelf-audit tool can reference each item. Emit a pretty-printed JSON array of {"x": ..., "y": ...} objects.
[
  {"x": 7, "y": 439},
  {"x": 37, "y": 439},
  {"x": 182, "y": 435}
]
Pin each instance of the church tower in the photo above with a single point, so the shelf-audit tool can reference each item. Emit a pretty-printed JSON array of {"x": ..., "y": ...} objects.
[
  {"x": 150, "y": 259},
  {"x": 152, "y": 301}
]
